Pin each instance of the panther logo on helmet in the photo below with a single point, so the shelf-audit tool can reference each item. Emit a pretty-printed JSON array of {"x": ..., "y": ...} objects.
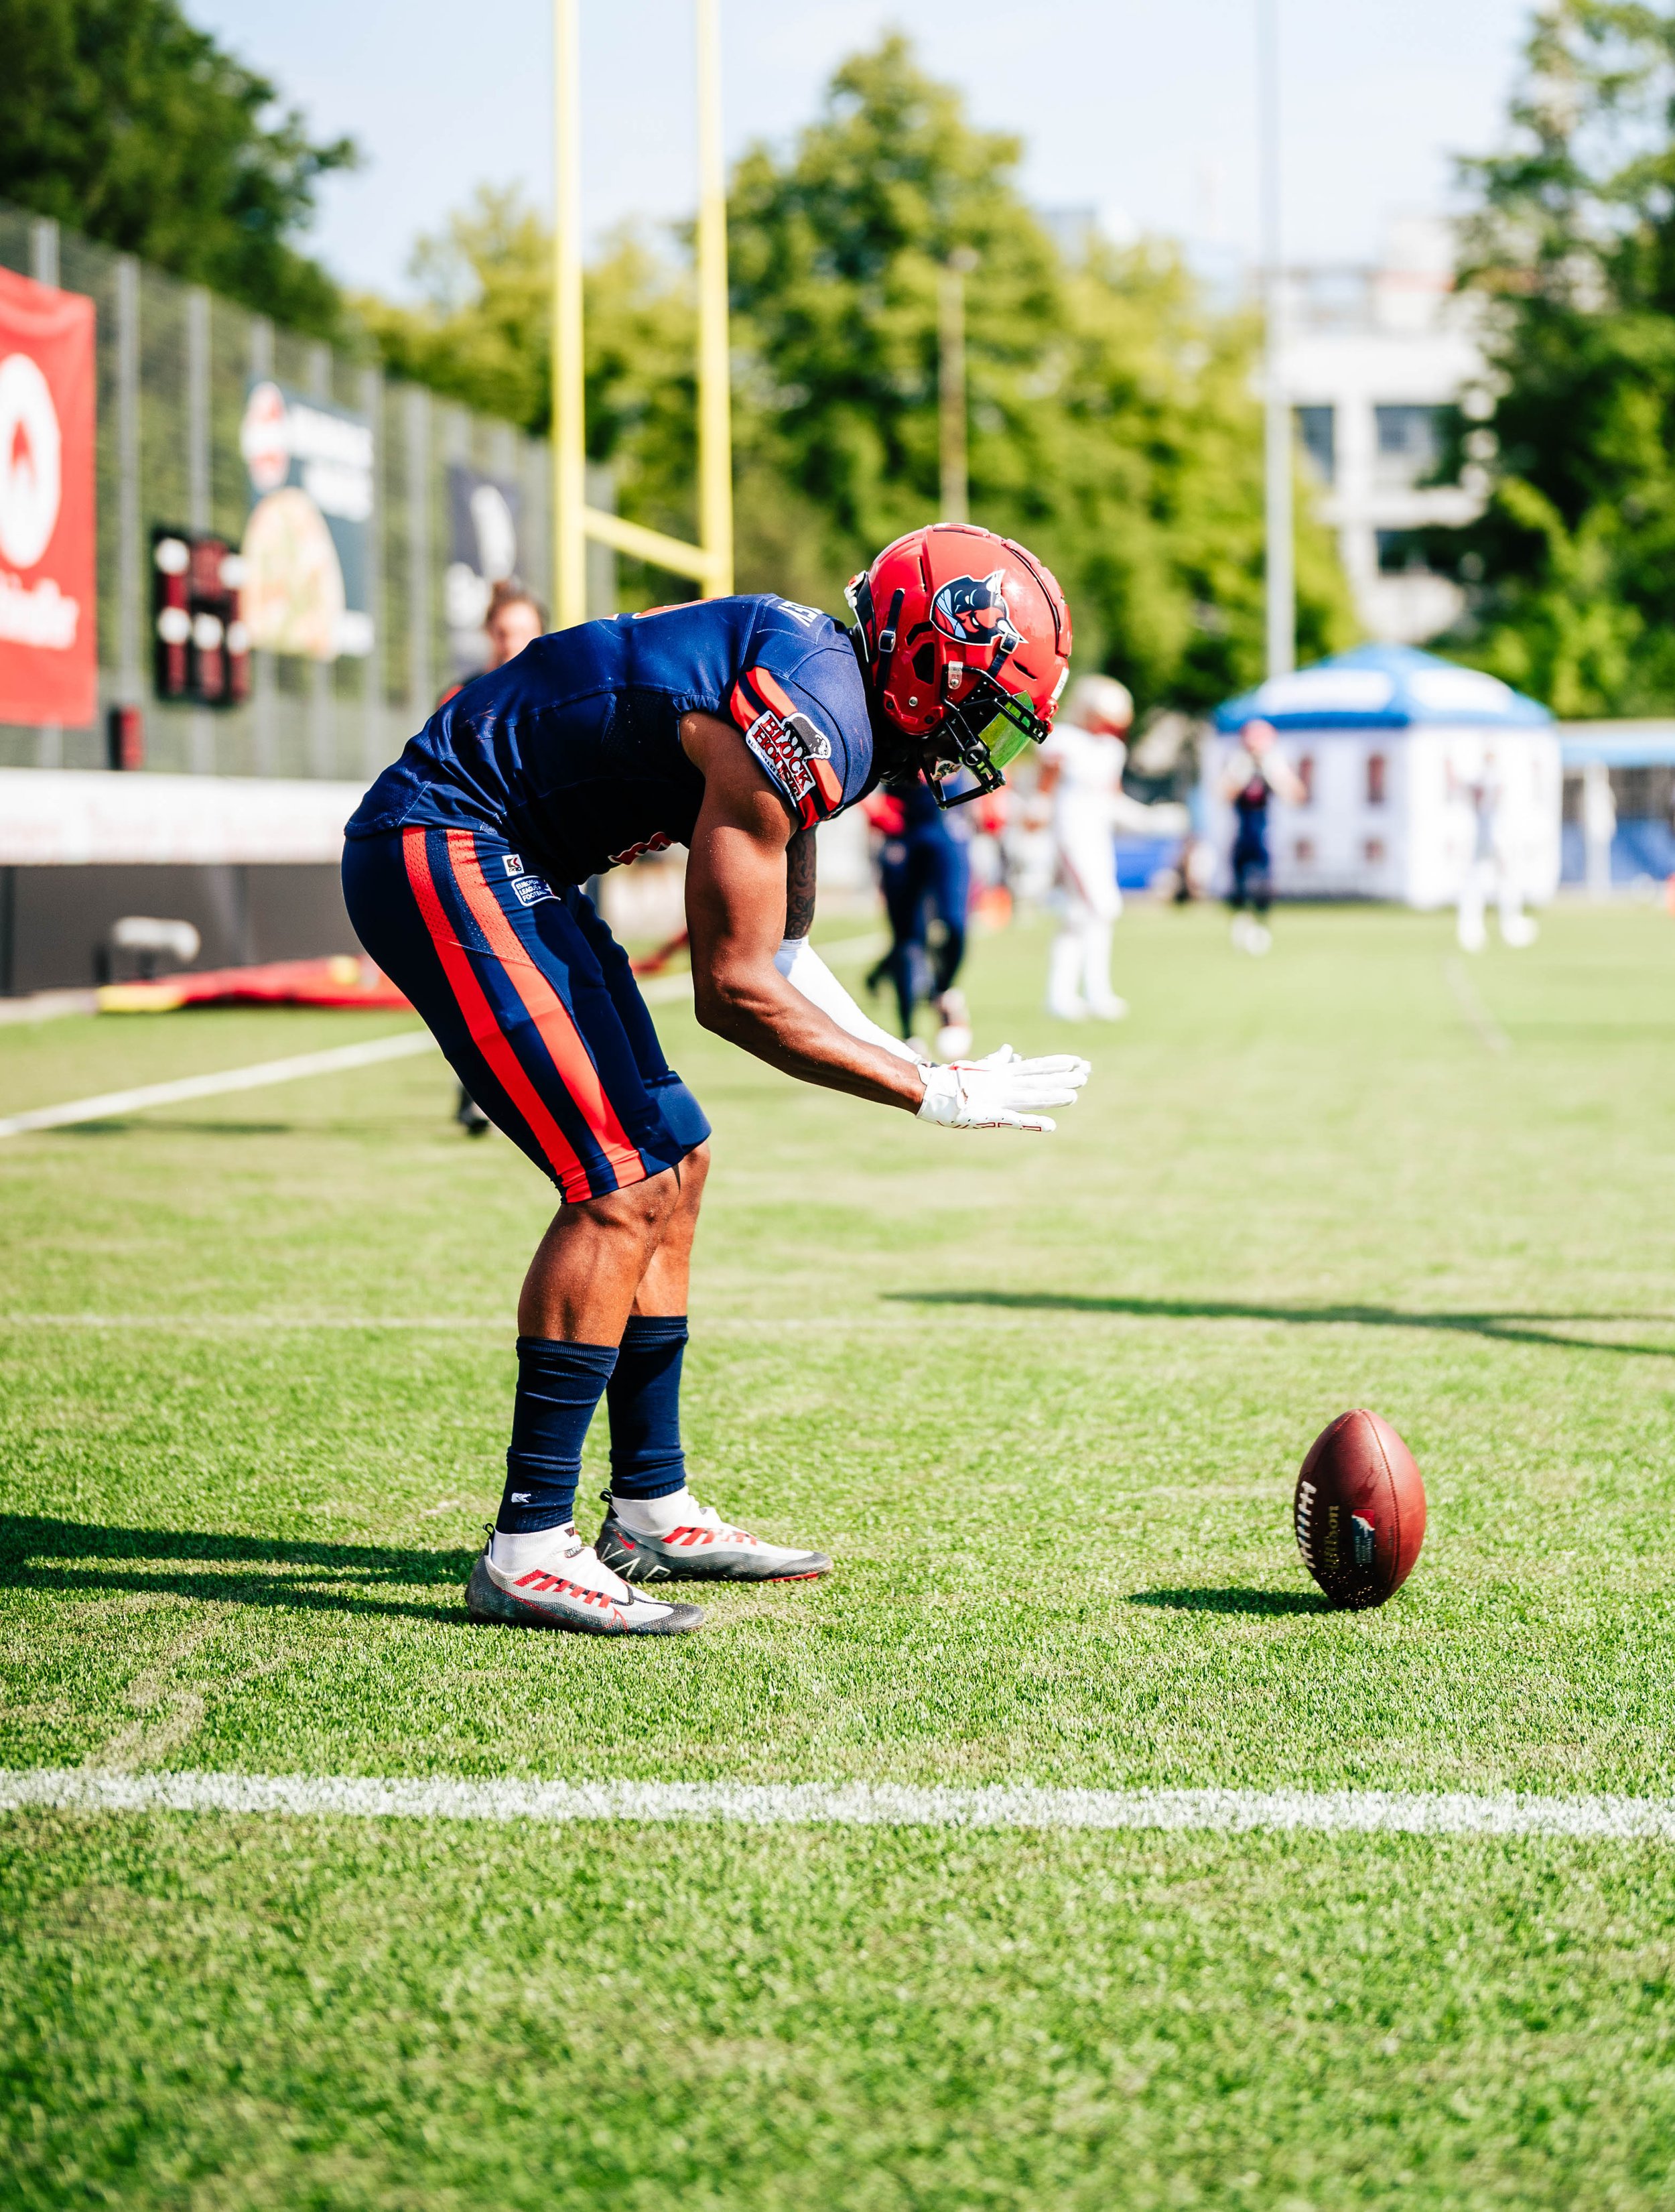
[{"x": 973, "y": 610}]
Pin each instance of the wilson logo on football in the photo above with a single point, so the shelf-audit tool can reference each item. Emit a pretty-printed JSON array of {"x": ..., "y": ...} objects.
[{"x": 973, "y": 610}]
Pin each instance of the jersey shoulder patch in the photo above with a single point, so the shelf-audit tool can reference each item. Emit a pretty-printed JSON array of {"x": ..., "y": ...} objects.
[{"x": 796, "y": 754}]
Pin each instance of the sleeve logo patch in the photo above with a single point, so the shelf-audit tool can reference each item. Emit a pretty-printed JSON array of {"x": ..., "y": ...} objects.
[
  {"x": 798, "y": 759},
  {"x": 531, "y": 889},
  {"x": 513, "y": 864},
  {"x": 795, "y": 751}
]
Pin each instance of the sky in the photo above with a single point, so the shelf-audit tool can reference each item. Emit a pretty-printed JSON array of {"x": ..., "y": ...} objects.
[{"x": 1145, "y": 112}]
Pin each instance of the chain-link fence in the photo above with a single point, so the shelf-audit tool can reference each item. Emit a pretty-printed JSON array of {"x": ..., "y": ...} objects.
[{"x": 175, "y": 369}]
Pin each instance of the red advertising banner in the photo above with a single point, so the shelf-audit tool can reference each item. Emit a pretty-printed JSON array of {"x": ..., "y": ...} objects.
[{"x": 49, "y": 668}]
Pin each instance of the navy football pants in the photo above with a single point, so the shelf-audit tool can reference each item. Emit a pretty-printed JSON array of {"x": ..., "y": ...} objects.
[
  {"x": 531, "y": 998},
  {"x": 930, "y": 880}
]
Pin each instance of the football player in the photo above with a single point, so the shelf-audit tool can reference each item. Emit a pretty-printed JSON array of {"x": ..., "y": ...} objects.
[
  {"x": 1080, "y": 791},
  {"x": 515, "y": 618},
  {"x": 1255, "y": 775},
  {"x": 733, "y": 726},
  {"x": 925, "y": 874}
]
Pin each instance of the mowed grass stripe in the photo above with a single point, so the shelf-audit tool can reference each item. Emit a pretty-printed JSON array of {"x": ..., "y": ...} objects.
[{"x": 854, "y": 1804}]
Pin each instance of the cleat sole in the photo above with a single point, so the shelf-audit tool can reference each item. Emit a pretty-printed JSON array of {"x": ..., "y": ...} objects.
[
  {"x": 490, "y": 1607},
  {"x": 641, "y": 1571}
]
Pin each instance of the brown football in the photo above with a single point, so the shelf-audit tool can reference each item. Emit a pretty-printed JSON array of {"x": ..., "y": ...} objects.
[{"x": 1359, "y": 1510}]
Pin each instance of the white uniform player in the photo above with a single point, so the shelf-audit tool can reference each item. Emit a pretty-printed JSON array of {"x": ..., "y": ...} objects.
[
  {"x": 1492, "y": 874},
  {"x": 1080, "y": 792}
]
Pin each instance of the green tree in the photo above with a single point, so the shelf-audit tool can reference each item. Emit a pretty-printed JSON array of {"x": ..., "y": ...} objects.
[
  {"x": 119, "y": 118},
  {"x": 482, "y": 332},
  {"x": 1571, "y": 570},
  {"x": 1112, "y": 425}
]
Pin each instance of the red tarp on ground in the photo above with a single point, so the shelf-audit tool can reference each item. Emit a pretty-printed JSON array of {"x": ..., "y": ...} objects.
[{"x": 337, "y": 981}]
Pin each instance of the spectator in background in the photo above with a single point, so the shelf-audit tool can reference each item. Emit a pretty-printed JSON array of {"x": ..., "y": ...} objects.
[
  {"x": 1255, "y": 775},
  {"x": 515, "y": 618}
]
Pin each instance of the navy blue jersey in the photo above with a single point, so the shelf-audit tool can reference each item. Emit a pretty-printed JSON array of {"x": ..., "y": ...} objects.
[{"x": 572, "y": 751}]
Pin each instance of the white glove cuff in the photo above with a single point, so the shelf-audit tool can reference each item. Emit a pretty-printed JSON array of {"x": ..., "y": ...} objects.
[{"x": 942, "y": 1100}]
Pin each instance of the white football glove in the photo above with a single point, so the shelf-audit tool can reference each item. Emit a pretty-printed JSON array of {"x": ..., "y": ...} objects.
[{"x": 1001, "y": 1093}]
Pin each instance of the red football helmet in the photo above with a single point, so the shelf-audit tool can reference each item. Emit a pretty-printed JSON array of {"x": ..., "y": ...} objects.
[{"x": 966, "y": 639}]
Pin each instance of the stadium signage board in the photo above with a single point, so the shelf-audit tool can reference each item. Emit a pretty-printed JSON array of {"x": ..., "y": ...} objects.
[
  {"x": 485, "y": 515},
  {"x": 49, "y": 669},
  {"x": 307, "y": 555}
]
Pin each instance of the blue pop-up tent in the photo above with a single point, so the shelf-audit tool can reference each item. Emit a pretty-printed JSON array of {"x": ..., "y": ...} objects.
[
  {"x": 1383, "y": 687},
  {"x": 1389, "y": 741}
]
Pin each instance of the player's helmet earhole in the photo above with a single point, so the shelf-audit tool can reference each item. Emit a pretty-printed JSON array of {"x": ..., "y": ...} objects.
[{"x": 924, "y": 662}]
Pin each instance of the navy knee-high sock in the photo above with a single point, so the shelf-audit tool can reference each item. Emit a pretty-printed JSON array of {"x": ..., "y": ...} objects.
[
  {"x": 558, "y": 1385},
  {"x": 645, "y": 1401}
]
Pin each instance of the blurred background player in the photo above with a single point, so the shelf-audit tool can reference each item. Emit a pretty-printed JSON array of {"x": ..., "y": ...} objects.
[
  {"x": 1079, "y": 794},
  {"x": 515, "y": 618},
  {"x": 925, "y": 873},
  {"x": 1255, "y": 775},
  {"x": 1491, "y": 874}
]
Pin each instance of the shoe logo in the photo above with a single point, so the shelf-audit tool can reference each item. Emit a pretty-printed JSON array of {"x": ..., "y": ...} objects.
[
  {"x": 539, "y": 1579},
  {"x": 689, "y": 1537}
]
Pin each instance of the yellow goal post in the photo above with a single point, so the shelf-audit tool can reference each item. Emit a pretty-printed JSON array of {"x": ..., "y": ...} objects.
[{"x": 709, "y": 562}]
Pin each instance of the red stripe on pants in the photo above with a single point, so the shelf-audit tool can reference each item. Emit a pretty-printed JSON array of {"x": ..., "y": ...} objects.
[
  {"x": 546, "y": 1009},
  {"x": 485, "y": 1032}
]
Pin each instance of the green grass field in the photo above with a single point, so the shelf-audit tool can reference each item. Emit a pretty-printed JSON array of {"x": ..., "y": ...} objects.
[{"x": 1044, "y": 1401}]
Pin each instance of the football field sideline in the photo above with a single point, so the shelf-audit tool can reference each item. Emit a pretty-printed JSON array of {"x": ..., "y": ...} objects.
[{"x": 852, "y": 1804}]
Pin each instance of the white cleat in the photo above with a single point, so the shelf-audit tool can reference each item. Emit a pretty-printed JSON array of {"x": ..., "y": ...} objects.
[
  {"x": 1108, "y": 1010},
  {"x": 701, "y": 1548},
  {"x": 954, "y": 1038},
  {"x": 563, "y": 1584}
]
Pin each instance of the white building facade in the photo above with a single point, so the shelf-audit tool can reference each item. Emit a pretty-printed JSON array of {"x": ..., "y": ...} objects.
[{"x": 1371, "y": 356}]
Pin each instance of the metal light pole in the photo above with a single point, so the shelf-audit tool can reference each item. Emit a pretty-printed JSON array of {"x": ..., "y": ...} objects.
[
  {"x": 1281, "y": 596},
  {"x": 568, "y": 431},
  {"x": 951, "y": 382},
  {"x": 715, "y": 447}
]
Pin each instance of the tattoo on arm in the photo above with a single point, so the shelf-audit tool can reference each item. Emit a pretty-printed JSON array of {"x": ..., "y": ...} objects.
[{"x": 799, "y": 883}]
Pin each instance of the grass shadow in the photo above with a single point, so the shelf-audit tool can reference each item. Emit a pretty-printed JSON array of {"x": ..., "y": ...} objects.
[
  {"x": 1233, "y": 1600},
  {"x": 124, "y": 1125},
  {"x": 88, "y": 1556},
  {"x": 1504, "y": 1325}
]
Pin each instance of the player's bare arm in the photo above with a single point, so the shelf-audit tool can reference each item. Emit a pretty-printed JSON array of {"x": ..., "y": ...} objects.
[
  {"x": 800, "y": 884},
  {"x": 737, "y": 897}
]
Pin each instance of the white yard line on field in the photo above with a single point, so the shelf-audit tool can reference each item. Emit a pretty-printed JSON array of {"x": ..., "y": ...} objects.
[
  {"x": 657, "y": 990},
  {"x": 1484, "y": 1027},
  {"x": 402, "y": 1046},
  {"x": 852, "y": 1804}
]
